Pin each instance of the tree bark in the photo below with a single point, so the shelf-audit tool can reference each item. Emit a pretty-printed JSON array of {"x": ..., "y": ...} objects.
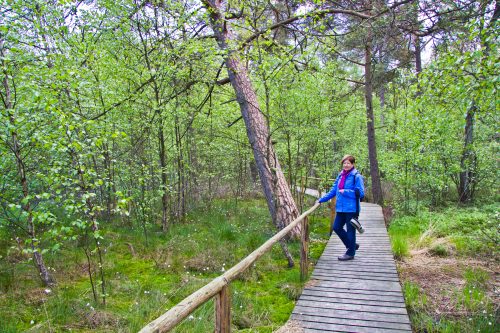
[
  {"x": 164, "y": 179},
  {"x": 468, "y": 159},
  {"x": 277, "y": 192},
  {"x": 370, "y": 121}
]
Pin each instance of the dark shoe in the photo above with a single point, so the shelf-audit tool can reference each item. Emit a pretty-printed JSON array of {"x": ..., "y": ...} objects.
[
  {"x": 345, "y": 257},
  {"x": 357, "y": 246}
]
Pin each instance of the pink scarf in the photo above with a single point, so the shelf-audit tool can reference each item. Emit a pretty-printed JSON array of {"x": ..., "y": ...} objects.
[{"x": 343, "y": 177}]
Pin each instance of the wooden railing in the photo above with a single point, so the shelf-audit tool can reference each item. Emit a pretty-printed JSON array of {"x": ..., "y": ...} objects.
[{"x": 219, "y": 287}]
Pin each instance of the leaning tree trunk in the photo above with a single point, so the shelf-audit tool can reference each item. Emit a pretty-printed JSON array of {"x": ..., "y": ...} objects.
[
  {"x": 370, "y": 125},
  {"x": 277, "y": 192}
]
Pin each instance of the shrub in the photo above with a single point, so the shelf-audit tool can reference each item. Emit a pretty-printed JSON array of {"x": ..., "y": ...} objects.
[{"x": 399, "y": 247}]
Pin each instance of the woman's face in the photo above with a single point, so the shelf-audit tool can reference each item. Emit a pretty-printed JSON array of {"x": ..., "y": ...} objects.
[{"x": 347, "y": 165}]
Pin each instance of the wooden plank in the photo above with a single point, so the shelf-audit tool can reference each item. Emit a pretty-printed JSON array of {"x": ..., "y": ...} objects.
[
  {"x": 356, "y": 263},
  {"x": 354, "y": 315},
  {"x": 354, "y": 291},
  {"x": 356, "y": 269},
  {"x": 353, "y": 322},
  {"x": 349, "y": 295},
  {"x": 352, "y": 275},
  {"x": 223, "y": 311},
  {"x": 351, "y": 272},
  {"x": 356, "y": 273},
  {"x": 353, "y": 307},
  {"x": 324, "y": 327},
  {"x": 358, "y": 301}
]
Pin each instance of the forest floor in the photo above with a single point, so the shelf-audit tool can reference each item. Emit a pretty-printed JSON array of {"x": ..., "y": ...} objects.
[
  {"x": 441, "y": 278},
  {"x": 147, "y": 276},
  {"x": 449, "y": 266},
  {"x": 449, "y": 274}
]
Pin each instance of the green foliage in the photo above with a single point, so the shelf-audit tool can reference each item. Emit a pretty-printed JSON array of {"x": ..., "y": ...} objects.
[
  {"x": 439, "y": 250},
  {"x": 399, "y": 247},
  {"x": 472, "y": 230},
  {"x": 120, "y": 128},
  {"x": 414, "y": 299}
]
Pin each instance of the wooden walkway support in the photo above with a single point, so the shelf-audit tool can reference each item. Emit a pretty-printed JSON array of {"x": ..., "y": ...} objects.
[{"x": 361, "y": 295}]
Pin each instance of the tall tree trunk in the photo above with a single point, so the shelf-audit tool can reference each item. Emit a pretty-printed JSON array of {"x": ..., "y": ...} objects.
[
  {"x": 45, "y": 276},
  {"x": 370, "y": 121},
  {"x": 277, "y": 192},
  {"x": 468, "y": 159},
  {"x": 180, "y": 210},
  {"x": 418, "y": 54},
  {"x": 110, "y": 200},
  {"x": 418, "y": 46},
  {"x": 164, "y": 181}
]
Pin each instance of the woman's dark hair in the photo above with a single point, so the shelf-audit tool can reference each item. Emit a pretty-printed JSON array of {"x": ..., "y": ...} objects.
[{"x": 350, "y": 158}]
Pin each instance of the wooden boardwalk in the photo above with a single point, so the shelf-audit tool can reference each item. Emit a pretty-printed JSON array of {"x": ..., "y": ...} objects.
[{"x": 361, "y": 295}]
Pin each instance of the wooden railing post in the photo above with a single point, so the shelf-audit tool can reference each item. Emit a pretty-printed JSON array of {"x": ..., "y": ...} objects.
[
  {"x": 331, "y": 205},
  {"x": 304, "y": 249},
  {"x": 223, "y": 311}
]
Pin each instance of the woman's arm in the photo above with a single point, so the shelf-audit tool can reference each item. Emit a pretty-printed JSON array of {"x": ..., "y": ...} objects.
[{"x": 331, "y": 193}]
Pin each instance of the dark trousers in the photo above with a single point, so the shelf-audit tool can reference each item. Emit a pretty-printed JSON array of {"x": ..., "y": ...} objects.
[{"x": 347, "y": 237}]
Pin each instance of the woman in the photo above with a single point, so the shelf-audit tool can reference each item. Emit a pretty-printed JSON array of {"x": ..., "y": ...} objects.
[{"x": 349, "y": 188}]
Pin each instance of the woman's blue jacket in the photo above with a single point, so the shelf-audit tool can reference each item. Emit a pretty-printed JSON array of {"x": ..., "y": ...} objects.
[{"x": 346, "y": 202}]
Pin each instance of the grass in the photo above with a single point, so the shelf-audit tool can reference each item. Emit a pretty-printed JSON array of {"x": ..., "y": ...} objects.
[
  {"x": 141, "y": 287},
  {"x": 453, "y": 235}
]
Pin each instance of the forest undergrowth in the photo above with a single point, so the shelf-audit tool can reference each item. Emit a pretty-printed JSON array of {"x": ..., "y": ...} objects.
[
  {"x": 146, "y": 279},
  {"x": 448, "y": 263}
]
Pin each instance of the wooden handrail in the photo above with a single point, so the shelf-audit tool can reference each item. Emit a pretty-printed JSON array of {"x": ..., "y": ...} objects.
[
  {"x": 172, "y": 317},
  {"x": 315, "y": 178},
  {"x": 309, "y": 177}
]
